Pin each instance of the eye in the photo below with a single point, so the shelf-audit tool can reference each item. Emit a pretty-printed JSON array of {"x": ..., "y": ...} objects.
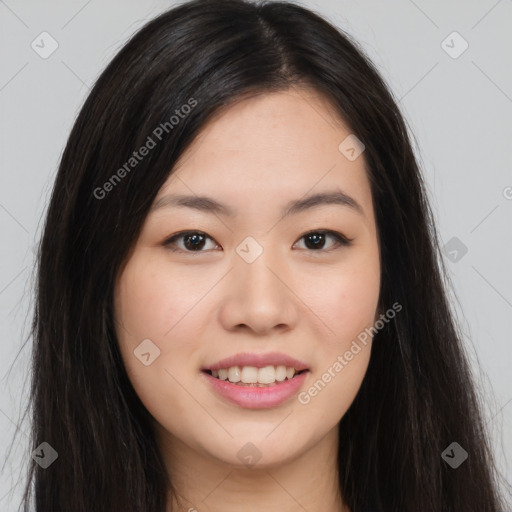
[
  {"x": 193, "y": 241},
  {"x": 315, "y": 240}
]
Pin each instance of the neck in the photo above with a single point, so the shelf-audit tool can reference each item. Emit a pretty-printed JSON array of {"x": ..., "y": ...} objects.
[{"x": 307, "y": 482}]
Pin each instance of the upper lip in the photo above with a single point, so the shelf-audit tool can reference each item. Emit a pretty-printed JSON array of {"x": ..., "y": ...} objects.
[{"x": 259, "y": 361}]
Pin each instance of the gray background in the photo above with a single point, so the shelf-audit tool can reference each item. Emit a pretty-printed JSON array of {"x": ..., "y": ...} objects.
[{"x": 458, "y": 108}]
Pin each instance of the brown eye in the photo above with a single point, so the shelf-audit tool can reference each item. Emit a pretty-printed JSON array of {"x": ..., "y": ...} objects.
[
  {"x": 188, "y": 241},
  {"x": 197, "y": 241},
  {"x": 316, "y": 240}
]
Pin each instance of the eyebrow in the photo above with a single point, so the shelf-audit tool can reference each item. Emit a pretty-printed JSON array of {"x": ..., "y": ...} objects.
[{"x": 209, "y": 205}]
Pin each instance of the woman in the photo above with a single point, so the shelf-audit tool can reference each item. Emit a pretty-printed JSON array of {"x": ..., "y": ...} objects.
[{"x": 240, "y": 305}]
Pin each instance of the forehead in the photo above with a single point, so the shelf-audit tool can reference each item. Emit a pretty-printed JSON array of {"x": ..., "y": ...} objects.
[
  {"x": 267, "y": 147},
  {"x": 294, "y": 122}
]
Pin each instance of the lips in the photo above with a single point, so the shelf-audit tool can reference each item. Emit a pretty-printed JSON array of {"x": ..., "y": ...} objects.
[
  {"x": 258, "y": 361},
  {"x": 278, "y": 387},
  {"x": 255, "y": 397}
]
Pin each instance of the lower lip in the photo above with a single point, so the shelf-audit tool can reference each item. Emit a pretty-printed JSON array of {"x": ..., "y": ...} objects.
[{"x": 257, "y": 397}]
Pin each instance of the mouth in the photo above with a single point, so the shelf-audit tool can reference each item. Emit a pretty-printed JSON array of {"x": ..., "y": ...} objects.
[
  {"x": 252, "y": 376},
  {"x": 256, "y": 388},
  {"x": 255, "y": 380}
]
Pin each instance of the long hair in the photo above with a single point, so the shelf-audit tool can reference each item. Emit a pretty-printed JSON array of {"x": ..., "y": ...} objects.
[{"x": 417, "y": 396}]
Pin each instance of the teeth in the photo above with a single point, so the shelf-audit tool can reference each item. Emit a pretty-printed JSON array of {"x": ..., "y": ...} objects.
[
  {"x": 281, "y": 373},
  {"x": 234, "y": 374},
  {"x": 249, "y": 375},
  {"x": 267, "y": 375},
  {"x": 252, "y": 375}
]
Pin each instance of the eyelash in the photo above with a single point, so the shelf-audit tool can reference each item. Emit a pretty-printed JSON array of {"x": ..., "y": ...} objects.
[{"x": 340, "y": 239}]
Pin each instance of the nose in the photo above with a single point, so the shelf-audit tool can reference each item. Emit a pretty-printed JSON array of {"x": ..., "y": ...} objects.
[{"x": 258, "y": 297}]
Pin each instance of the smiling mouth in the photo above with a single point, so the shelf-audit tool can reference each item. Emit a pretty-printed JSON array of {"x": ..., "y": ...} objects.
[{"x": 251, "y": 376}]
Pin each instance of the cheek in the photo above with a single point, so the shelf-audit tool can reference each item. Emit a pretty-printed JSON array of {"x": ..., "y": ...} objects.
[
  {"x": 345, "y": 299},
  {"x": 151, "y": 301},
  {"x": 334, "y": 387},
  {"x": 347, "y": 305},
  {"x": 156, "y": 304},
  {"x": 151, "y": 311}
]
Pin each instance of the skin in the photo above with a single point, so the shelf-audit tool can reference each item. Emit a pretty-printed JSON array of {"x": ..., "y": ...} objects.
[{"x": 200, "y": 307}]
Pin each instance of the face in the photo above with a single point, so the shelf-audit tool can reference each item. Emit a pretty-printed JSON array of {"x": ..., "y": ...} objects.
[{"x": 261, "y": 270}]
